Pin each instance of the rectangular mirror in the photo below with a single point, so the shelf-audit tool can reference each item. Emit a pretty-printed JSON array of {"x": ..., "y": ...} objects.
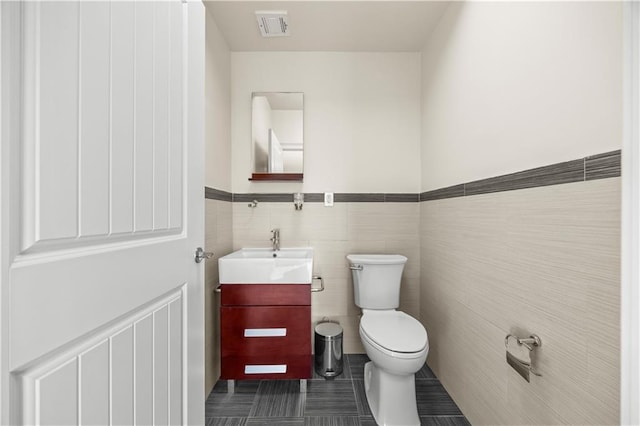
[{"x": 277, "y": 135}]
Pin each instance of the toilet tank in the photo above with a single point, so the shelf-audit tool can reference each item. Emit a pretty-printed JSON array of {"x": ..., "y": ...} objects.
[{"x": 376, "y": 279}]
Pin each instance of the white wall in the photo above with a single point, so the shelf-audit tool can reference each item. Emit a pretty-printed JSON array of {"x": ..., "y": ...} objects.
[
  {"x": 508, "y": 87},
  {"x": 217, "y": 109},
  {"x": 361, "y": 118},
  {"x": 218, "y": 176},
  {"x": 511, "y": 86}
]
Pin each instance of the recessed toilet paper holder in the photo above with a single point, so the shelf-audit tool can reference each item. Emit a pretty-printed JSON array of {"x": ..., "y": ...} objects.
[
  {"x": 523, "y": 364},
  {"x": 528, "y": 342}
]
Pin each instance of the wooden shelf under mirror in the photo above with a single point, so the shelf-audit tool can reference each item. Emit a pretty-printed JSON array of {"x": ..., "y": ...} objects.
[{"x": 296, "y": 177}]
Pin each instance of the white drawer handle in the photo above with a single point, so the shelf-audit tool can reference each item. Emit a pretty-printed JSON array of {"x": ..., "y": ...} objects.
[
  {"x": 265, "y": 332},
  {"x": 265, "y": 369}
]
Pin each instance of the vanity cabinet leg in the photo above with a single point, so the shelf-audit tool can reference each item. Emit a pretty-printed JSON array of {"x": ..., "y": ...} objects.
[
  {"x": 231, "y": 386},
  {"x": 303, "y": 385}
]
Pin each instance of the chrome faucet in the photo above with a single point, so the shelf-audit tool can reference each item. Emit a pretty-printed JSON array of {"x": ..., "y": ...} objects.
[{"x": 275, "y": 239}]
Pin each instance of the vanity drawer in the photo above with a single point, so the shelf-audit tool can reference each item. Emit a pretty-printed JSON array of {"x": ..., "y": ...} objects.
[
  {"x": 265, "y": 294},
  {"x": 265, "y": 330},
  {"x": 265, "y": 367}
]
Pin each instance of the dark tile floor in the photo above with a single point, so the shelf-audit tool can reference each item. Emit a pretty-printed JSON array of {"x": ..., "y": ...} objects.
[{"x": 338, "y": 402}]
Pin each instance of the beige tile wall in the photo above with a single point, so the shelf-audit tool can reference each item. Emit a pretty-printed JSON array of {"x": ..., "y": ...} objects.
[
  {"x": 218, "y": 239},
  {"x": 545, "y": 261},
  {"x": 334, "y": 232}
]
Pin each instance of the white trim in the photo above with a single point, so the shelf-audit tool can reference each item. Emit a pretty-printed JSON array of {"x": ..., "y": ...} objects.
[{"x": 630, "y": 227}]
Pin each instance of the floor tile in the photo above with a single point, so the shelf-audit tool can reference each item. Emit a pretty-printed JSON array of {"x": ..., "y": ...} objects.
[
  {"x": 425, "y": 373},
  {"x": 241, "y": 386},
  {"x": 327, "y": 398},
  {"x": 433, "y": 399},
  {"x": 444, "y": 421},
  {"x": 279, "y": 398},
  {"x": 272, "y": 421},
  {"x": 367, "y": 421},
  {"x": 361, "y": 398},
  {"x": 226, "y": 421},
  {"x": 332, "y": 421},
  {"x": 229, "y": 405},
  {"x": 341, "y": 401},
  {"x": 356, "y": 365}
]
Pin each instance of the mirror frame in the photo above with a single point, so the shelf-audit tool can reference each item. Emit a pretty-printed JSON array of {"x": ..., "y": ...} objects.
[{"x": 266, "y": 177}]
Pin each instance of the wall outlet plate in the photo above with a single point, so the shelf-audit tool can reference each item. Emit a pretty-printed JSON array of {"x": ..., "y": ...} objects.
[{"x": 328, "y": 199}]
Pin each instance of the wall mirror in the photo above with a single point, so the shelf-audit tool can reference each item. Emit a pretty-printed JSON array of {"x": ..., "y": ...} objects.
[{"x": 277, "y": 136}]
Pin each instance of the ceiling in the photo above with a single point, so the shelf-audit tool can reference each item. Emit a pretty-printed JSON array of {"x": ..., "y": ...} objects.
[{"x": 348, "y": 26}]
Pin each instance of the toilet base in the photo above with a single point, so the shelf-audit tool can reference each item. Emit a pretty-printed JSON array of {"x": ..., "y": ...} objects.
[{"x": 391, "y": 397}]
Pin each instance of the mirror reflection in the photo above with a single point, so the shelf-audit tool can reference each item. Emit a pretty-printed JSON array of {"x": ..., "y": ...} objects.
[{"x": 277, "y": 133}]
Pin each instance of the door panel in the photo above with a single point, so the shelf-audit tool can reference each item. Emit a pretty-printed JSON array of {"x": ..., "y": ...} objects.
[
  {"x": 102, "y": 212},
  {"x": 105, "y": 159},
  {"x": 91, "y": 378}
]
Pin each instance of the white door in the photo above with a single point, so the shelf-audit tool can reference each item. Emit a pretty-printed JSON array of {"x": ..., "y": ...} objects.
[{"x": 101, "y": 312}]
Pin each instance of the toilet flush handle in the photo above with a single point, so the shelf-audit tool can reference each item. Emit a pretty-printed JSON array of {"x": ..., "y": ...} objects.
[{"x": 356, "y": 267}]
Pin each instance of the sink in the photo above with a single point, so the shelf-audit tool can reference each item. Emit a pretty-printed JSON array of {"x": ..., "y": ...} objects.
[{"x": 265, "y": 266}]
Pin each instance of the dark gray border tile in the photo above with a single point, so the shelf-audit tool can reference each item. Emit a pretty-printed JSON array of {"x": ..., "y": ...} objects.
[
  {"x": 401, "y": 198},
  {"x": 603, "y": 166},
  {"x": 555, "y": 174},
  {"x": 217, "y": 194},
  {"x": 263, "y": 198},
  {"x": 439, "y": 194},
  {"x": 313, "y": 197},
  {"x": 599, "y": 166},
  {"x": 353, "y": 197}
]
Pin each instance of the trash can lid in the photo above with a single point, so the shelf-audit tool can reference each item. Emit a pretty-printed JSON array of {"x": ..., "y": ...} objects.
[{"x": 328, "y": 329}]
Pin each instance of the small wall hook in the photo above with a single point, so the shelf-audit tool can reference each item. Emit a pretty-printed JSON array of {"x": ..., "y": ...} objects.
[{"x": 253, "y": 204}]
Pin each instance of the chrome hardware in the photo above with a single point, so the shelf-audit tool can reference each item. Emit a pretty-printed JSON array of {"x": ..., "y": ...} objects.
[
  {"x": 356, "y": 267},
  {"x": 201, "y": 255},
  {"x": 253, "y": 204},
  {"x": 298, "y": 200},
  {"x": 316, "y": 290},
  {"x": 521, "y": 361},
  {"x": 528, "y": 342},
  {"x": 275, "y": 239},
  {"x": 218, "y": 289}
]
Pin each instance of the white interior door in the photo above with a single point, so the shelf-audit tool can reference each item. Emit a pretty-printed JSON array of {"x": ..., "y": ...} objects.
[{"x": 101, "y": 316}]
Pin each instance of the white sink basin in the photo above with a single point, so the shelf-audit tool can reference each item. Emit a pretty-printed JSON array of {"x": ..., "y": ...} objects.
[{"x": 265, "y": 266}]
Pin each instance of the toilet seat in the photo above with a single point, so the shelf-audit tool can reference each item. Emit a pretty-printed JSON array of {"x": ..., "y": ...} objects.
[{"x": 394, "y": 332}]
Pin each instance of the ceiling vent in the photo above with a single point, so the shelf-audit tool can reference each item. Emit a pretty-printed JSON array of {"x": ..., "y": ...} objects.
[{"x": 272, "y": 23}]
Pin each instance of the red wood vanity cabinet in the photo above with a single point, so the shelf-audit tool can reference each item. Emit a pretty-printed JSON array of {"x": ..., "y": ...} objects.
[{"x": 265, "y": 331}]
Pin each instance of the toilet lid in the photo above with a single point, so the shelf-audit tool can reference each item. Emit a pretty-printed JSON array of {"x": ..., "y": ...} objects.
[{"x": 394, "y": 331}]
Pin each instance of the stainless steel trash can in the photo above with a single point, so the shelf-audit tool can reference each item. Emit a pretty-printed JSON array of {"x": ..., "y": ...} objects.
[{"x": 328, "y": 344}]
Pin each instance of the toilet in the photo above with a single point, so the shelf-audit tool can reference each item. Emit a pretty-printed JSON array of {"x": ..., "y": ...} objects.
[{"x": 395, "y": 342}]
